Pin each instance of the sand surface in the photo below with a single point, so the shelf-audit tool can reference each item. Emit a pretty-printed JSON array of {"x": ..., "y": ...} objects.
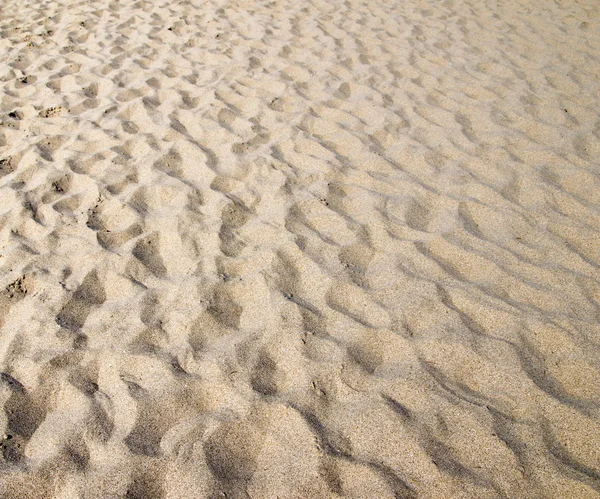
[{"x": 299, "y": 249}]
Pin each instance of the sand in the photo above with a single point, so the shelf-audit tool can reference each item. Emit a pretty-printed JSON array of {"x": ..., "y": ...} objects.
[{"x": 314, "y": 249}]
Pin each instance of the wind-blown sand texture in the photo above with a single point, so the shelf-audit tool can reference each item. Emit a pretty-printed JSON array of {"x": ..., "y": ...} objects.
[{"x": 299, "y": 249}]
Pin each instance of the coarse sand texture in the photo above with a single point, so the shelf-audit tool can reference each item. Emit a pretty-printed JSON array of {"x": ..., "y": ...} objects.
[{"x": 299, "y": 249}]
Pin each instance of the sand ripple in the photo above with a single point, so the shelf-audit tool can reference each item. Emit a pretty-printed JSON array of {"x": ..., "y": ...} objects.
[{"x": 299, "y": 249}]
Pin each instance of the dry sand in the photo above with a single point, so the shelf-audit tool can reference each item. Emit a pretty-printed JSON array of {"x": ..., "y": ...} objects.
[{"x": 299, "y": 249}]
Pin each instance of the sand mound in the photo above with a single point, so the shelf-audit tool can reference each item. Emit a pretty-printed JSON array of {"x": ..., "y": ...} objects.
[{"x": 299, "y": 249}]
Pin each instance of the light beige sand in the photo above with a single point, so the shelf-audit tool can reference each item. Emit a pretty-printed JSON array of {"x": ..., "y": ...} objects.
[{"x": 298, "y": 249}]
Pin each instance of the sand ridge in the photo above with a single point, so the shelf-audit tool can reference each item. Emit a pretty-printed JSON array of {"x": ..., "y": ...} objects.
[{"x": 299, "y": 249}]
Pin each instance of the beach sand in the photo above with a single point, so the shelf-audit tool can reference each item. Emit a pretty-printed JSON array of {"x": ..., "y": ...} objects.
[{"x": 318, "y": 249}]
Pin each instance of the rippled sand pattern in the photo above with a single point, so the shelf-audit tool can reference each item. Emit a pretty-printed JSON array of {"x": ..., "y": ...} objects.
[{"x": 299, "y": 249}]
